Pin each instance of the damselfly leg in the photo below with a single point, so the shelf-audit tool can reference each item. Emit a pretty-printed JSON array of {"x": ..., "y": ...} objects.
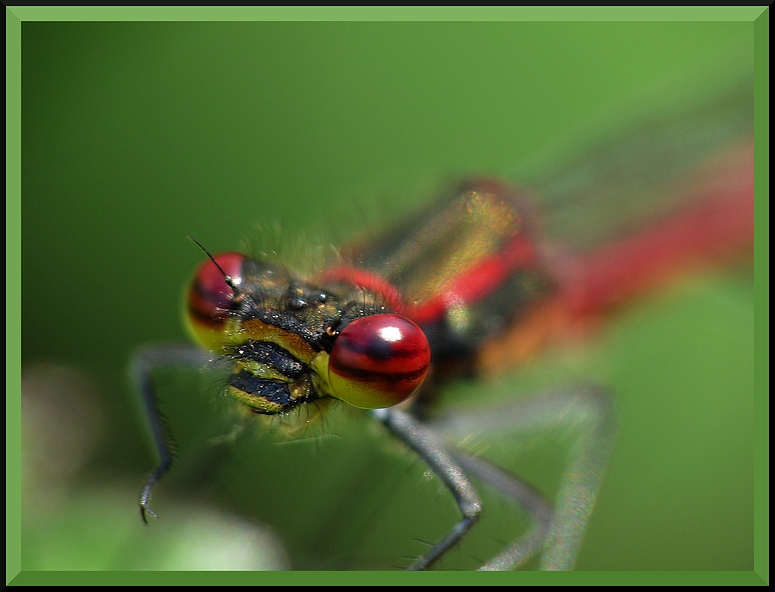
[
  {"x": 586, "y": 415},
  {"x": 557, "y": 528},
  {"x": 145, "y": 362}
]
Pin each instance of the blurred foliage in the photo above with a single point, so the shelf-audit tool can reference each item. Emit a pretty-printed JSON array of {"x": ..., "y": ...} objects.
[{"x": 137, "y": 134}]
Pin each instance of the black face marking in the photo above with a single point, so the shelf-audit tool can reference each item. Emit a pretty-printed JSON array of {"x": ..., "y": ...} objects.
[
  {"x": 272, "y": 355},
  {"x": 272, "y": 390}
]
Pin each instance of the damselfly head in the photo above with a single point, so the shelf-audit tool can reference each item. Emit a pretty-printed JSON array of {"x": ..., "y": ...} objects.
[{"x": 292, "y": 342}]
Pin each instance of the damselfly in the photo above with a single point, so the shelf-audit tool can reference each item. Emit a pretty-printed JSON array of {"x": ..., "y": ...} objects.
[{"x": 477, "y": 282}]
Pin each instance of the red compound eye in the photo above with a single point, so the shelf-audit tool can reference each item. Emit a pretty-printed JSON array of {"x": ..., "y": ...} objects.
[
  {"x": 210, "y": 297},
  {"x": 378, "y": 361}
]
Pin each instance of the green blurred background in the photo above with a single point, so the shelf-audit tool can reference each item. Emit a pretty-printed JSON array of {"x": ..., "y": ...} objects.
[{"x": 137, "y": 134}]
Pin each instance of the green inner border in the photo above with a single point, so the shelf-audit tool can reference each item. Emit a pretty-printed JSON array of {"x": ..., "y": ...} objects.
[
  {"x": 14, "y": 17},
  {"x": 387, "y": 13}
]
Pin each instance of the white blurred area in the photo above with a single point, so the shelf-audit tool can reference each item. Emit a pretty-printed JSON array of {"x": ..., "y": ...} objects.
[{"x": 62, "y": 424}]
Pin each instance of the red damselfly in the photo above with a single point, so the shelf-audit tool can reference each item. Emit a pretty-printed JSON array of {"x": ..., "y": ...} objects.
[{"x": 473, "y": 284}]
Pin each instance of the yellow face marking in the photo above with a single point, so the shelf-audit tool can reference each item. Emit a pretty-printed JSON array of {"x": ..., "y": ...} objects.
[
  {"x": 319, "y": 365},
  {"x": 255, "y": 401},
  {"x": 256, "y": 330},
  {"x": 259, "y": 370}
]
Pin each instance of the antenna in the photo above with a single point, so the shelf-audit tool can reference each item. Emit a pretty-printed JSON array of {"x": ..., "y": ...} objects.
[{"x": 226, "y": 277}]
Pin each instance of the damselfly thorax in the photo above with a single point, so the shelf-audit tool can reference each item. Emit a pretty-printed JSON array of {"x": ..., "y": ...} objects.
[{"x": 470, "y": 265}]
